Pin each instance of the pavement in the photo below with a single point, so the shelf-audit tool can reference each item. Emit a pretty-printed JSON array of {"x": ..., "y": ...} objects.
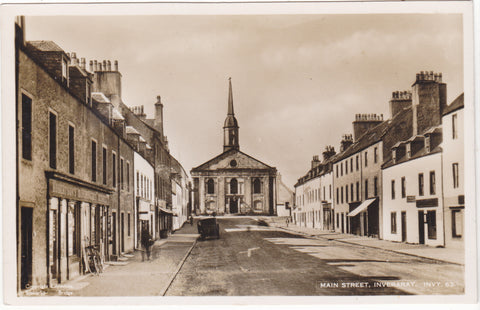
[
  {"x": 131, "y": 276},
  {"x": 449, "y": 255}
]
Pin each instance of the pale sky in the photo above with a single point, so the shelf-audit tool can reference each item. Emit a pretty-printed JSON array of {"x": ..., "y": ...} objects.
[{"x": 298, "y": 80}]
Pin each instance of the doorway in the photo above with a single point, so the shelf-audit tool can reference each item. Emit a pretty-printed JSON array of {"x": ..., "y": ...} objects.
[
  {"x": 404, "y": 226},
  {"x": 26, "y": 248},
  {"x": 233, "y": 205},
  {"x": 421, "y": 228}
]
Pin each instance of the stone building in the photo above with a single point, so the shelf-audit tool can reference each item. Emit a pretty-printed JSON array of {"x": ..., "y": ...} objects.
[
  {"x": 234, "y": 182},
  {"x": 75, "y": 170},
  {"x": 358, "y": 190}
]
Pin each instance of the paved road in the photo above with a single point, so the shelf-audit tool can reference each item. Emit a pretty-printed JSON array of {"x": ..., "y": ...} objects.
[{"x": 254, "y": 260}]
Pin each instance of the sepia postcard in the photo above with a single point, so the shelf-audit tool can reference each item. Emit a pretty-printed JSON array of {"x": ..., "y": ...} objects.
[{"x": 238, "y": 153}]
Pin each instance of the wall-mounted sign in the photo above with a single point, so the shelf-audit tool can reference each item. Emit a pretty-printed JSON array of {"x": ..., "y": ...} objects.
[{"x": 411, "y": 199}]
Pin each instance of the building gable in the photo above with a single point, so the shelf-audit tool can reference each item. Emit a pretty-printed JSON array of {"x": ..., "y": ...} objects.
[{"x": 232, "y": 159}]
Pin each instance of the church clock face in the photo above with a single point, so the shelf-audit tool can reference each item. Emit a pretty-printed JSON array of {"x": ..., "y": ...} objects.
[{"x": 233, "y": 163}]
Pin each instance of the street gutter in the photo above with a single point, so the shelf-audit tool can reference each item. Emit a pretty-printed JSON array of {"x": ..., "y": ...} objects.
[{"x": 179, "y": 266}]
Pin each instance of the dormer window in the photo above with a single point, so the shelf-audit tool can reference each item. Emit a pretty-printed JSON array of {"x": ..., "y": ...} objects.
[
  {"x": 409, "y": 150},
  {"x": 394, "y": 155}
]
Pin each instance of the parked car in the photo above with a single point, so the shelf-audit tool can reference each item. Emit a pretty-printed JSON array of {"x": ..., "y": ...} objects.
[{"x": 208, "y": 228}]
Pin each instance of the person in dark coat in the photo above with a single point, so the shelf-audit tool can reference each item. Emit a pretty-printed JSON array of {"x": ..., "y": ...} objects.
[{"x": 146, "y": 241}]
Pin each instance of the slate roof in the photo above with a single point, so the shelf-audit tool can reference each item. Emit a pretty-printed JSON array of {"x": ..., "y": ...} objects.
[
  {"x": 420, "y": 153},
  {"x": 455, "y": 105},
  {"x": 375, "y": 134},
  {"x": 46, "y": 46}
]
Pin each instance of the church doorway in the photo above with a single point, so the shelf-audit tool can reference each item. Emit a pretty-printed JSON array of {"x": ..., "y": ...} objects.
[{"x": 233, "y": 205}]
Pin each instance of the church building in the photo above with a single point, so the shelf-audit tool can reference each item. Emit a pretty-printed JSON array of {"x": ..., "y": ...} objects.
[{"x": 234, "y": 182}]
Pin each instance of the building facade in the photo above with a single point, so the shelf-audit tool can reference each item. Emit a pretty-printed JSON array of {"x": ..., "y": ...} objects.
[
  {"x": 412, "y": 196},
  {"x": 313, "y": 192},
  {"x": 454, "y": 173},
  {"x": 75, "y": 172},
  {"x": 234, "y": 182},
  {"x": 144, "y": 198}
]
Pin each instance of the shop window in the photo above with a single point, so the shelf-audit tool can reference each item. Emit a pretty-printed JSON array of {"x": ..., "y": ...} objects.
[
  {"x": 457, "y": 223},
  {"x": 26, "y": 127},
  {"x": 432, "y": 225}
]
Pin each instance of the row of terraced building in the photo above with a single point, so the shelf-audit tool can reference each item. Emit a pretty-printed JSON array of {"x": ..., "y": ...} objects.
[
  {"x": 91, "y": 171},
  {"x": 398, "y": 179}
]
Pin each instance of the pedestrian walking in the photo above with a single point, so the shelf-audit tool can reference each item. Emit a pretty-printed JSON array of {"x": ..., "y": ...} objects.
[
  {"x": 146, "y": 243},
  {"x": 191, "y": 220},
  {"x": 287, "y": 221}
]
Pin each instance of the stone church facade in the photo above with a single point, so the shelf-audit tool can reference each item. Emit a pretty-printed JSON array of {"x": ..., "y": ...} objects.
[{"x": 234, "y": 182}]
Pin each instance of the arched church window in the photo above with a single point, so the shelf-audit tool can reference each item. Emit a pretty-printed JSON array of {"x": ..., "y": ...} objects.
[
  {"x": 257, "y": 186},
  {"x": 210, "y": 186},
  {"x": 233, "y": 186}
]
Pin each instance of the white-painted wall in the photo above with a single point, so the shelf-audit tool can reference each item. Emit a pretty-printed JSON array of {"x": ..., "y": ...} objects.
[
  {"x": 410, "y": 171},
  {"x": 143, "y": 191}
]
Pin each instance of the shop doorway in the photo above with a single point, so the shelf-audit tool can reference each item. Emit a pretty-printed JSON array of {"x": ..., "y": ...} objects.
[
  {"x": 26, "y": 248},
  {"x": 404, "y": 226},
  {"x": 122, "y": 234}
]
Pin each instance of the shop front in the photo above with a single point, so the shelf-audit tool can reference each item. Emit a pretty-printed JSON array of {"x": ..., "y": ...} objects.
[{"x": 78, "y": 217}]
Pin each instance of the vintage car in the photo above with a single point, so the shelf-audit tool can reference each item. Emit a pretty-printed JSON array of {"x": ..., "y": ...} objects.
[{"x": 208, "y": 228}]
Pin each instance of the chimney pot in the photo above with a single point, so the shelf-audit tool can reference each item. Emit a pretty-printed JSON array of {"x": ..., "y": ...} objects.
[
  {"x": 82, "y": 63},
  {"x": 109, "y": 66},
  {"x": 95, "y": 65},
  {"x": 91, "y": 66},
  {"x": 116, "y": 65}
]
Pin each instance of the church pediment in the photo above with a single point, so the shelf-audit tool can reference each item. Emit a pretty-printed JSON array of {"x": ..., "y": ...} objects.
[{"x": 232, "y": 159}]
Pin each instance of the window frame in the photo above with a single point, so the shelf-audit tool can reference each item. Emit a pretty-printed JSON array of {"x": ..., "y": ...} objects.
[
  {"x": 71, "y": 148},
  {"x": 27, "y": 135},
  {"x": 421, "y": 184},
  {"x": 52, "y": 158},
  {"x": 393, "y": 222}
]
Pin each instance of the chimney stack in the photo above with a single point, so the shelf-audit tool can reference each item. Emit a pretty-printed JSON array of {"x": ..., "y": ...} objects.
[
  {"x": 158, "y": 121},
  {"x": 400, "y": 100},
  {"x": 429, "y": 99},
  {"x": 328, "y": 153},
  {"x": 82, "y": 63},
  {"x": 347, "y": 141},
  {"x": 363, "y": 122},
  {"x": 315, "y": 161}
]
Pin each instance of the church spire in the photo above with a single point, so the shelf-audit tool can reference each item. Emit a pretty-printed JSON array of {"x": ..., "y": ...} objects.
[
  {"x": 230, "y": 127},
  {"x": 230, "y": 97}
]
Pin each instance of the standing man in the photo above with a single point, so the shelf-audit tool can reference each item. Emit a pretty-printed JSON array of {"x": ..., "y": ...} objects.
[{"x": 146, "y": 243}]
